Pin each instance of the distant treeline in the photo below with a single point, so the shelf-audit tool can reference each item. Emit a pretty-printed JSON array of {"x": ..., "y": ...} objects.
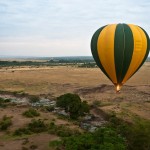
[
  {"x": 18, "y": 63},
  {"x": 87, "y": 62},
  {"x": 64, "y": 61}
]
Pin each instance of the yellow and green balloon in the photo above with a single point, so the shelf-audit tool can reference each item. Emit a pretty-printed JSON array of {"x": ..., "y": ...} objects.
[{"x": 120, "y": 50}]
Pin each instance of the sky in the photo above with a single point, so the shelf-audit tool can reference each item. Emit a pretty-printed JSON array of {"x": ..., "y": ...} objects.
[{"x": 62, "y": 27}]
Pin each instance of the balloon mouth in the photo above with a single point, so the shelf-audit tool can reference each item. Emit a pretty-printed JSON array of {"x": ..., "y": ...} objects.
[{"x": 118, "y": 87}]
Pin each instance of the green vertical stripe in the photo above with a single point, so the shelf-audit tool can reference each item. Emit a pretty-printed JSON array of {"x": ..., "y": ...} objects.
[
  {"x": 119, "y": 48},
  {"x": 148, "y": 47},
  {"x": 123, "y": 50},
  {"x": 95, "y": 51},
  {"x": 128, "y": 50}
]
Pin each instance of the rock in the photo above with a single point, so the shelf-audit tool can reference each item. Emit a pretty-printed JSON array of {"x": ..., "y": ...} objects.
[
  {"x": 92, "y": 129},
  {"x": 62, "y": 112}
]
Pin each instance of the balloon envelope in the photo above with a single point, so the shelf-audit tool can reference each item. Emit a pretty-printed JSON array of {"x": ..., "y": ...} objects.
[{"x": 120, "y": 50}]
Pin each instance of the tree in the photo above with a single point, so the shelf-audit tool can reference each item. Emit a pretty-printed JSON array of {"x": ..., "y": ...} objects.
[
  {"x": 72, "y": 104},
  {"x": 84, "y": 108},
  {"x": 102, "y": 139}
]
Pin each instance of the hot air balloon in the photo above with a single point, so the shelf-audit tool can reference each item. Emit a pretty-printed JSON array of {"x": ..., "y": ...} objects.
[{"x": 120, "y": 50}]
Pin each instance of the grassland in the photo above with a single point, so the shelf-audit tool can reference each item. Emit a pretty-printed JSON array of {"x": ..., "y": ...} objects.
[{"x": 90, "y": 83}]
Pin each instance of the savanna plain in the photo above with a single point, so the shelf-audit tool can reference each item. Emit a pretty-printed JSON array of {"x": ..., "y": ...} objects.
[{"x": 131, "y": 104}]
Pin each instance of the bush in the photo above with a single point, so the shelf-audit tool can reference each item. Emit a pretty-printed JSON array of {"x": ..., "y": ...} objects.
[
  {"x": 84, "y": 108},
  {"x": 5, "y": 123},
  {"x": 137, "y": 134},
  {"x": 37, "y": 126},
  {"x": 21, "y": 131},
  {"x": 72, "y": 104},
  {"x": 61, "y": 130},
  {"x": 7, "y": 100},
  {"x": 55, "y": 144},
  {"x": 103, "y": 138},
  {"x": 34, "y": 99},
  {"x": 31, "y": 113},
  {"x": 3, "y": 102}
]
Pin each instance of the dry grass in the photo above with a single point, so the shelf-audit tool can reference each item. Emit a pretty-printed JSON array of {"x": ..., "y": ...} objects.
[
  {"x": 89, "y": 83},
  {"x": 41, "y": 140},
  {"x": 58, "y": 80}
]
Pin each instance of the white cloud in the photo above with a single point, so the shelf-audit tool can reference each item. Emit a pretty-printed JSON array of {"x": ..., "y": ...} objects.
[
  {"x": 41, "y": 46},
  {"x": 70, "y": 22}
]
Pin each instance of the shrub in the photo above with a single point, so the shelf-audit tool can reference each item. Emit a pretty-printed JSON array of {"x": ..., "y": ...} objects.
[
  {"x": 7, "y": 100},
  {"x": 72, "y": 104},
  {"x": 37, "y": 126},
  {"x": 5, "y": 123},
  {"x": 61, "y": 130},
  {"x": 31, "y": 113},
  {"x": 21, "y": 131},
  {"x": 103, "y": 138},
  {"x": 84, "y": 108},
  {"x": 137, "y": 134},
  {"x": 55, "y": 143},
  {"x": 3, "y": 102}
]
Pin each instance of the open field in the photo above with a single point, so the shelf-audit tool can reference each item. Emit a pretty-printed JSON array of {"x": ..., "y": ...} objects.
[
  {"x": 41, "y": 140},
  {"x": 133, "y": 101},
  {"x": 89, "y": 83}
]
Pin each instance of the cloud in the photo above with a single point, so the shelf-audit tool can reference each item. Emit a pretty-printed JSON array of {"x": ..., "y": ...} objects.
[
  {"x": 66, "y": 21},
  {"x": 41, "y": 46}
]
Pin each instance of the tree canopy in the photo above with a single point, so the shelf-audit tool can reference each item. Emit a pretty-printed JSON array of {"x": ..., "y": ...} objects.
[{"x": 72, "y": 105}]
